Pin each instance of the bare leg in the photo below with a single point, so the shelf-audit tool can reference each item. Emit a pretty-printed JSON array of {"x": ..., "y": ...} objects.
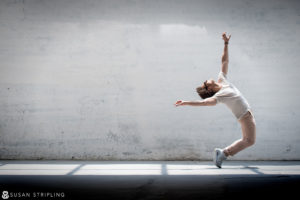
[{"x": 248, "y": 126}]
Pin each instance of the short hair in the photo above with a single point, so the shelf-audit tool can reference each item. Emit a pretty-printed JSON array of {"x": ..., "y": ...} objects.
[{"x": 203, "y": 93}]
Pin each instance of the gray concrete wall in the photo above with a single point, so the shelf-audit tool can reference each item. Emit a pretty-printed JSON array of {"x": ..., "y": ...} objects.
[{"x": 98, "y": 79}]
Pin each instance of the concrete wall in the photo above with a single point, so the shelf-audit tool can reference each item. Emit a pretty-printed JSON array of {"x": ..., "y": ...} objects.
[{"x": 98, "y": 79}]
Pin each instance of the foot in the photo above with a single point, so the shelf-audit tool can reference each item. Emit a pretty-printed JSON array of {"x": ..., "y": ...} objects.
[{"x": 219, "y": 157}]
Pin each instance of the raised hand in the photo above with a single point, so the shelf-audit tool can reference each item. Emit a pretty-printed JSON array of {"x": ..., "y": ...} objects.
[{"x": 225, "y": 38}]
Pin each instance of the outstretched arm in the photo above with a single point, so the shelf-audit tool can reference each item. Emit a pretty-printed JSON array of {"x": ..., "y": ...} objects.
[
  {"x": 225, "y": 59},
  {"x": 206, "y": 102}
]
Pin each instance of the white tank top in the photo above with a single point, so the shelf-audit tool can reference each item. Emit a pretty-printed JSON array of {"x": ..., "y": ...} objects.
[{"x": 232, "y": 97}]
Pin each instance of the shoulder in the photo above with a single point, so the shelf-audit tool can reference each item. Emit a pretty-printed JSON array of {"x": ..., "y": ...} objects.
[
  {"x": 211, "y": 101},
  {"x": 222, "y": 77}
]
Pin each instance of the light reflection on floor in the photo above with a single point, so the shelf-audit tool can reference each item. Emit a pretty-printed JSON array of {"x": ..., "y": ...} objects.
[{"x": 145, "y": 168}]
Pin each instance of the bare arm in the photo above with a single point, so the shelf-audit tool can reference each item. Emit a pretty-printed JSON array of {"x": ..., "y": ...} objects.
[
  {"x": 225, "y": 59},
  {"x": 206, "y": 102}
]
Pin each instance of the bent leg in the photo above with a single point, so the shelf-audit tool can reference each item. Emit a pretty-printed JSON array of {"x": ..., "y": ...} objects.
[{"x": 248, "y": 126}]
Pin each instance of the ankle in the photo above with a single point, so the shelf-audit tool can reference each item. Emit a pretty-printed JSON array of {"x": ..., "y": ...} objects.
[{"x": 226, "y": 152}]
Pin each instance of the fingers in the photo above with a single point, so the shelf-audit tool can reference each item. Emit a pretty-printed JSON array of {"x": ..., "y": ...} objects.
[
  {"x": 225, "y": 37},
  {"x": 178, "y": 103}
]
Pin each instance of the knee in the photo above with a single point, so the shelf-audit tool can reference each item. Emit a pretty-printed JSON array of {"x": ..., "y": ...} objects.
[{"x": 249, "y": 141}]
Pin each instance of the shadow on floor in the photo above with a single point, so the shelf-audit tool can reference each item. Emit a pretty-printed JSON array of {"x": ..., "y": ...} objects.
[{"x": 154, "y": 187}]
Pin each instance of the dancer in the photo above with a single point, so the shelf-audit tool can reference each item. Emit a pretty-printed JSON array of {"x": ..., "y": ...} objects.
[{"x": 225, "y": 92}]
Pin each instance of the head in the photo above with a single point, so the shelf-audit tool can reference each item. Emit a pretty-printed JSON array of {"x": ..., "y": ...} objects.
[{"x": 207, "y": 89}]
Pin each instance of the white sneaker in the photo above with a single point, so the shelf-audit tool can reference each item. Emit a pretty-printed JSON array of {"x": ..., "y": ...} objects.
[{"x": 219, "y": 157}]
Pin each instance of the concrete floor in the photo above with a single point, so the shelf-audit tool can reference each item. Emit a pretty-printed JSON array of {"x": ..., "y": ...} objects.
[{"x": 149, "y": 180}]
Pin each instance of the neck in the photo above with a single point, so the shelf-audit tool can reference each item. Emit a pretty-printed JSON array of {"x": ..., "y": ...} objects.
[{"x": 217, "y": 87}]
